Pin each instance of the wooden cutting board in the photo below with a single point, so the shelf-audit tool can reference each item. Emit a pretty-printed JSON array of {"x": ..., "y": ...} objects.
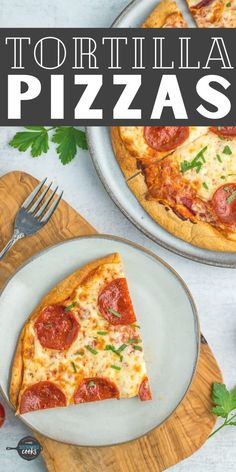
[{"x": 180, "y": 436}]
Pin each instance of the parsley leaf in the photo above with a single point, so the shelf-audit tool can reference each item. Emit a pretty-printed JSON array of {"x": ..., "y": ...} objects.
[
  {"x": 224, "y": 404},
  {"x": 37, "y": 138},
  {"x": 68, "y": 139},
  {"x": 197, "y": 162},
  {"x": 227, "y": 150}
]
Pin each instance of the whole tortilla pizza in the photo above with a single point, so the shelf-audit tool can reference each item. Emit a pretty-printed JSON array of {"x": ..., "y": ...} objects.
[{"x": 183, "y": 176}]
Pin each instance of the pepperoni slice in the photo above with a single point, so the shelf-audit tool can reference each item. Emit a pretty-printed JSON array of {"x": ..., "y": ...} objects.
[
  {"x": 40, "y": 396},
  {"x": 95, "y": 388},
  {"x": 56, "y": 328},
  {"x": 224, "y": 131},
  {"x": 144, "y": 390},
  {"x": 115, "y": 304},
  {"x": 224, "y": 203},
  {"x": 2, "y": 415},
  {"x": 203, "y": 3},
  {"x": 165, "y": 138}
]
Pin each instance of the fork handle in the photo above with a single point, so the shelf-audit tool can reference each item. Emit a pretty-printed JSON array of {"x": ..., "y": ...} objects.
[{"x": 15, "y": 237}]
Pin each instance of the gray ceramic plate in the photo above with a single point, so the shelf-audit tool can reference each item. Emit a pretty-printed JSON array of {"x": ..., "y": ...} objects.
[
  {"x": 113, "y": 179},
  {"x": 169, "y": 327}
]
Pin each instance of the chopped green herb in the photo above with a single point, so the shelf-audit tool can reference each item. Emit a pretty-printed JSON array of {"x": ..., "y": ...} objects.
[
  {"x": 68, "y": 308},
  {"x": 184, "y": 166},
  {"x": 136, "y": 326},
  {"x": 205, "y": 185},
  {"x": 90, "y": 349},
  {"x": 114, "y": 312},
  {"x": 197, "y": 162},
  {"x": 91, "y": 384},
  {"x": 125, "y": 345},
  {"x": 227, "y": 150},
  {"x": 228, "y": 4},
  {"x": 219, "y": 158},
  {"x": 134, "y": 341},
  {"x": 222, "y": 177},
  {"x": 231, "y": 197},
  {"x": 226, "y": 189},
  {"x": 74, "y": 366},
  {"x": 110, "y": 347},
  {"x": 122, "y": 347},
  {"x": 115, "y": 367},
  {"x": 231, "y": 175},
  {"x": 102, "y": 333},
  {"x": 137, "y": 348}
]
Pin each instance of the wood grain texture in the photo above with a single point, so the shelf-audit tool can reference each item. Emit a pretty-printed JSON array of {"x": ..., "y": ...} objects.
[{"x": 181, "y": 435}]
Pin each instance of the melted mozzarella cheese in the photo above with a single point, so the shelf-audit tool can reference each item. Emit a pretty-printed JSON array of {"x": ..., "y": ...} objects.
[
  {"x": 219, "y": 166},
  {"x": 217, "y": 14},
  {"x": 59, "y": 366},
  {"x": 133, "y": 138}
]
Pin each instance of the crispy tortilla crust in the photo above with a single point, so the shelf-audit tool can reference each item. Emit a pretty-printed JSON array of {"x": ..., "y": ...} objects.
[
  {"x": 199, "y": 234},
  {"x": 158, "y": 16},
  {"x": 58, "y": 294}
]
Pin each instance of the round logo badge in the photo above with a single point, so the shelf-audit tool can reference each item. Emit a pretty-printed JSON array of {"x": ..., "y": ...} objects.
[{"x": 28, "y": 448}]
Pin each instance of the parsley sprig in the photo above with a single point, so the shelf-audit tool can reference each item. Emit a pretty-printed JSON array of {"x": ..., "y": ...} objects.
[
  {"x": 196, "y": 163},
  {"x": 37, "y": 139},
  {"x": 224, "y": 405}
]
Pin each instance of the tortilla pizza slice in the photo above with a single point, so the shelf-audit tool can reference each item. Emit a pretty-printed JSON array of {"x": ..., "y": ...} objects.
[{"x": 81, "y": 344}]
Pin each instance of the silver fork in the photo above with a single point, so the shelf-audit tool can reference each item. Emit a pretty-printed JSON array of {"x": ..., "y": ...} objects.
[{"x": 33, "y": 214}]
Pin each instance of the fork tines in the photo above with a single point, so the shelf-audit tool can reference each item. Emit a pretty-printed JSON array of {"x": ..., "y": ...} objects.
[{"x": 32, "y": 204}]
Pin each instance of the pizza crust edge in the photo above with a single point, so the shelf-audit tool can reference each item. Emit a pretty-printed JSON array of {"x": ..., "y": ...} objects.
[
  {"x": 199, "y": 234},
  {"x": 59, "y": 293},
  {"x": 161, "y": 12}
]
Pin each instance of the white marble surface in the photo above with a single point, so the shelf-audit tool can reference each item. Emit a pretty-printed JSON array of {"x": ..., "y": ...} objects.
[{"x": 213, "y": 288}]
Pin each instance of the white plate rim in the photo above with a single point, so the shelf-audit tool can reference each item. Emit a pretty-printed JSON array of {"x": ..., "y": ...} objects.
[
  {"x": 197, "y": 254},
  {"x": 197, "y": 333}
]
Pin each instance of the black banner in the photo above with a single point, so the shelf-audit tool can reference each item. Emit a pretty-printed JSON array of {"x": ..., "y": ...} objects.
[{"x": 117, "y": 76}]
